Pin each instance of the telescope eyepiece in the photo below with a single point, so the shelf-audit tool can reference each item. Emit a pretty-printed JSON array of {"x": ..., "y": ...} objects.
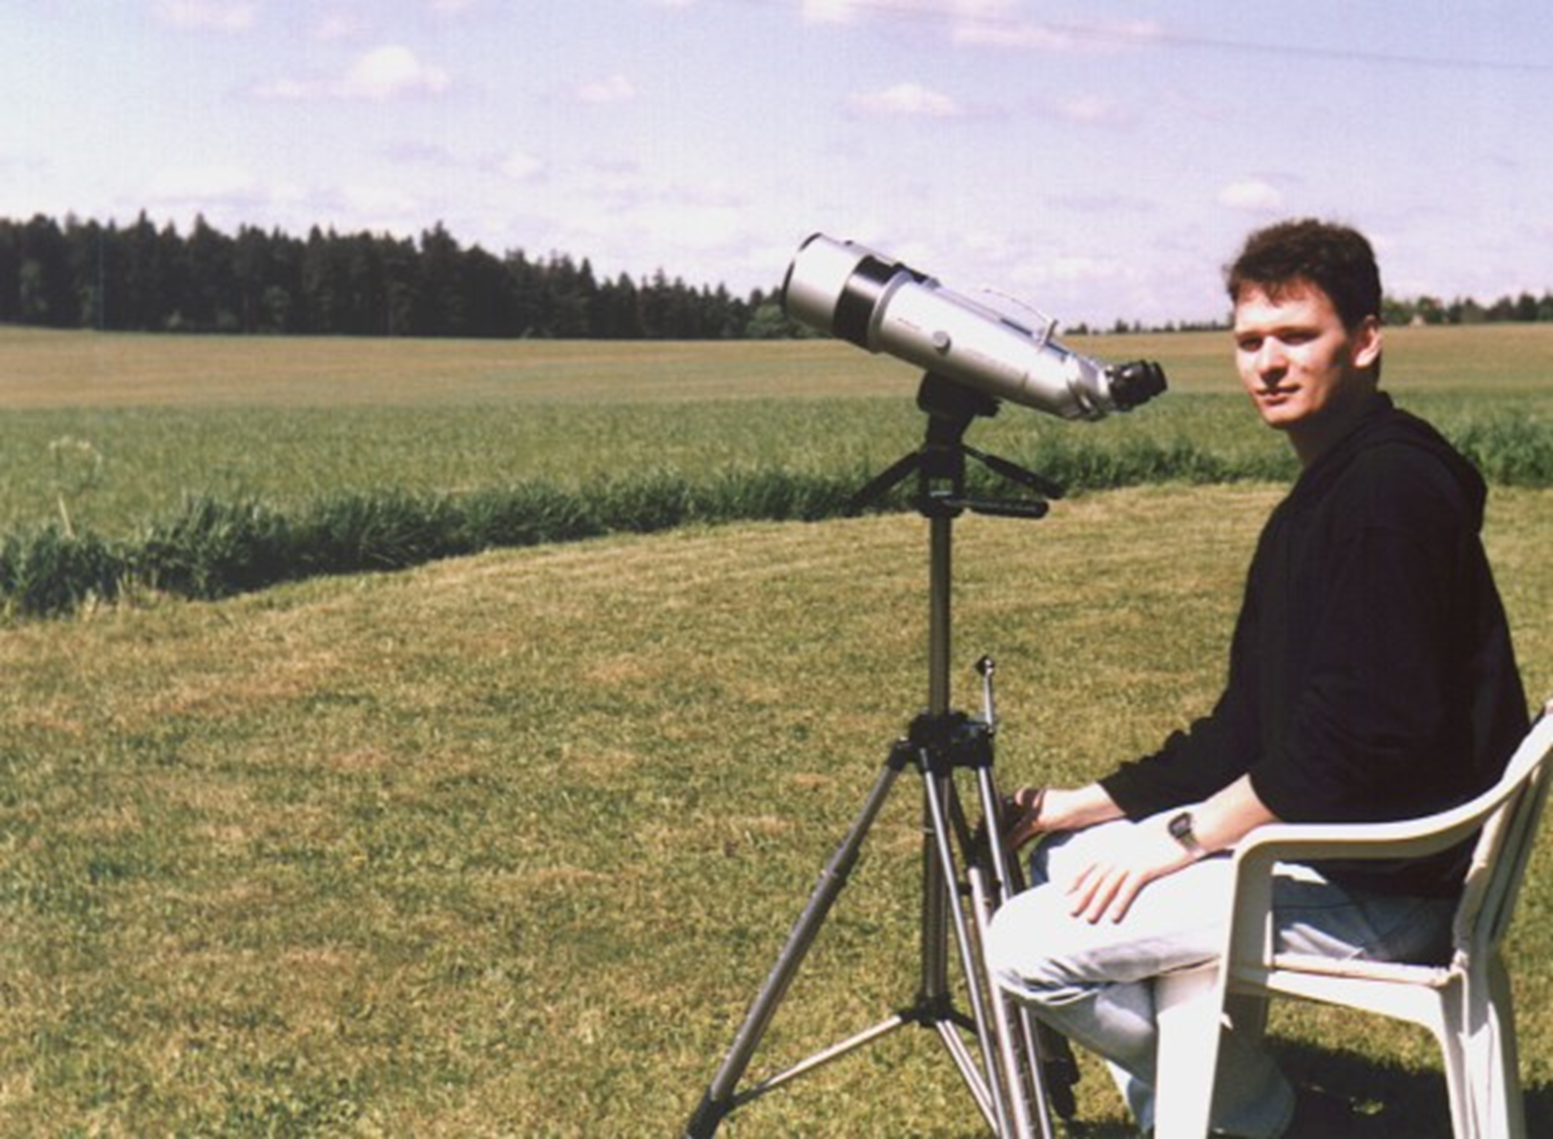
[{"x": 1136, "y": 383}]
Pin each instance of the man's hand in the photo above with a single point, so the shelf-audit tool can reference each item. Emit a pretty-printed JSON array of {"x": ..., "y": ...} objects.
[
  {"x": 1107, "y": 887},
  {"x": 1022, "y": 816},
  {"x": 1036, "y": 811},
  {"x": 1138, "y": 854}
]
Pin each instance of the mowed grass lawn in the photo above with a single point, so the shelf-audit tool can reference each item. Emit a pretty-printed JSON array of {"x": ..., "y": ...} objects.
[{"x": 504, "y": 845}]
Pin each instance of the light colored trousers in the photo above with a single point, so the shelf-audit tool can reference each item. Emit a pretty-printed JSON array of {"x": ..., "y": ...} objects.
[{"x": 1094, "y": 983}]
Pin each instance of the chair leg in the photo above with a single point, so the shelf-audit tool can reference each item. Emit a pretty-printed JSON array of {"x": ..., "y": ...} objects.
[
  {"x": 1248, "y": 1013},
  {"x": 1493, "y": 1060},
  {"x": 1459, "y": 1082},
  {"x": 1188, "y": 1008}
]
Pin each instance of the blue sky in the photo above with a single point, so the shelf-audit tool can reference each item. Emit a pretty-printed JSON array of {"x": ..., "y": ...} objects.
[{"x": 1099, "y": 160}]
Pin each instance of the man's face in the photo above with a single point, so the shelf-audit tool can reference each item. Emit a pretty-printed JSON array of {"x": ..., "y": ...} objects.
[{"x": 1302, "y": 367}]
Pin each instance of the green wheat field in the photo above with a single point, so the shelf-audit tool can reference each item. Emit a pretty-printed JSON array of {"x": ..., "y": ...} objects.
[{"x": 503, "y": 844}]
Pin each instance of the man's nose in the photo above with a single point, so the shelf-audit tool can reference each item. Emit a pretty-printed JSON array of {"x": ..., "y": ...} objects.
[{"x": 1271, "y": 361}]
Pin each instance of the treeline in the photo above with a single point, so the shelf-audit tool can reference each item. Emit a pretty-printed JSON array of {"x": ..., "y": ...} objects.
[
  {"x": 149, "y": 278},
  {"x": 146, "y": 278},
  {"x": 1524, "y": 308}
]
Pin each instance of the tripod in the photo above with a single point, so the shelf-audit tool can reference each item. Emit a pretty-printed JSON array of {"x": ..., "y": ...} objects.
[{"x": 1017, "y": 1067}]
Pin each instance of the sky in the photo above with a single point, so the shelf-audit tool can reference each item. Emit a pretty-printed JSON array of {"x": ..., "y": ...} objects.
[{"x": 1096, "y": 160}]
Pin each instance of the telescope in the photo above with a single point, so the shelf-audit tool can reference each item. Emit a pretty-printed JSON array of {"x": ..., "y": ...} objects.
[{"x": 845, "y": 290}]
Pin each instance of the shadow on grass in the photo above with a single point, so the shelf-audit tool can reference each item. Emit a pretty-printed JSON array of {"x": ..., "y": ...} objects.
[{"x": 1389, "y": 1102}]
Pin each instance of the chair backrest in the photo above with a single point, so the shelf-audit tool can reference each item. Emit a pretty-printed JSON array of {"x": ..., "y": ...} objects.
[{"x": 1504, "y": 845}]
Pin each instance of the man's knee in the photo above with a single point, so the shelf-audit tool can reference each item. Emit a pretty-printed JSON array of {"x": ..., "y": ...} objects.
[{"x": 1024, "y": 945}]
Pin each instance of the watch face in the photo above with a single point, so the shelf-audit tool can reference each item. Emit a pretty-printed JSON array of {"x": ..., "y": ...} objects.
[{"x": 1180, "y": 829}]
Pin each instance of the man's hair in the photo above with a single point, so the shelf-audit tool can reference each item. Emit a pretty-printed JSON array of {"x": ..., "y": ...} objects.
[{"x": 1335, "y": 258}]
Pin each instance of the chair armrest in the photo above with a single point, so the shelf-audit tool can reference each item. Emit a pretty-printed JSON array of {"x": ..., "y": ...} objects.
[
  {"x": 1257, "y": 855},
  {"x": 1408, "y": 838},
  {"x": 1250, "y": 936},
  {"x": 1411, "y": 838}
]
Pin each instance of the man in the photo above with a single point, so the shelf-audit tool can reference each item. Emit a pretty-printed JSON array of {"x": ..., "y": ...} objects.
[{"x": 1371, "y": 677}]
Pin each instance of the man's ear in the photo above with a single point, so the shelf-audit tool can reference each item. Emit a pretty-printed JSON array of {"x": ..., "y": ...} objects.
[{"x": 1367, "y": 342}]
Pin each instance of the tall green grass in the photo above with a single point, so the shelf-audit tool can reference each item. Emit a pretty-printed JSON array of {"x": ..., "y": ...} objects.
[
  {"x": 148, "y": 461},
  {"x": 207, "y": 466},
  {"x": 214, "y": 549},
  {"x": 213, "y": 546}
]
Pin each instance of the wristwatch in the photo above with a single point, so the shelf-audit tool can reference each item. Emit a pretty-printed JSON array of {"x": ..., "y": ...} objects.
[{"x": 1180, "y": 828}]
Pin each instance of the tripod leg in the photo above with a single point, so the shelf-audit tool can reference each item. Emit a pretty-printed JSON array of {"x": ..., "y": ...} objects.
[
  {"x": 1053, "y": 1070},
  {"x": 720, "y": 1097},
  {"x": 1016, "y": 1105},
  {"x": 1019, "y": 1051},
  {"x": 941, "y": 802}
]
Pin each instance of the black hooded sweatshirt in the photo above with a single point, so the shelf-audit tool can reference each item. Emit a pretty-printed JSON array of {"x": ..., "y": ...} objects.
[{"x": 1371, "y": 675}]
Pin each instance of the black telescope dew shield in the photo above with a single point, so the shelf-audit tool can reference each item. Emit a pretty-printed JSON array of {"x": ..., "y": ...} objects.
[{"x": 846, "y": 290}]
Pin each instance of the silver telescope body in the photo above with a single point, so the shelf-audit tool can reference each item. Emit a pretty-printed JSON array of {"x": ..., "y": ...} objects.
[{"x": 846, "y": 290}]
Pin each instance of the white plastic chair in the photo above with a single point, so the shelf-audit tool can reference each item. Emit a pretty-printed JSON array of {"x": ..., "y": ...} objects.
[{"x": 1465, "y": 1004}]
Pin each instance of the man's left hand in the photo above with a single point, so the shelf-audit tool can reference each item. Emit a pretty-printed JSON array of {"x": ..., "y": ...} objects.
[{"x": 1107, "y": 887}]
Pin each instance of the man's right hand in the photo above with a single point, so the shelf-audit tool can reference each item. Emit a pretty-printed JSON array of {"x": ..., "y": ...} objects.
[
  {"x": 1022, "y": 816},
  {"x": 1034, "y": 811}
]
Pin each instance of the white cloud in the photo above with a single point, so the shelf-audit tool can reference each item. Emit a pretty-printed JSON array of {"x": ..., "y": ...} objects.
[
  {"x": 287, "y": 90},
  {"x": 378, "y": 202},
  {"x": 907, "y": 99},
  {"x": 621, "y": 187},
  {"x": 1078, "y": 268},
  {"x": 206, "y": 15},
  {"x": 521, "y": 166},
  {"x": 1030, "y": 37},
  {"x": 828, "y": 11},
  {"x": 852, "y": 11},
  {"x": 1252, "y": 195},
  {"x": 990, "y": 23},
  {"x": 388, "y": 72},
  {"x": 334, "y": 27},
  {"x": 186, "y": 184},
  {"x": 615, "y": 89},
  {"x": 1091, "y": 38},
  {"x": 1094, "y": 110},
  {"x": 226, "y": 196}
]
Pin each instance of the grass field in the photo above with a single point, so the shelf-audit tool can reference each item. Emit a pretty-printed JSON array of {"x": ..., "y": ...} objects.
[
  {"x": 503, "y": 845},
  {"x": 123, "y": 428}
]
